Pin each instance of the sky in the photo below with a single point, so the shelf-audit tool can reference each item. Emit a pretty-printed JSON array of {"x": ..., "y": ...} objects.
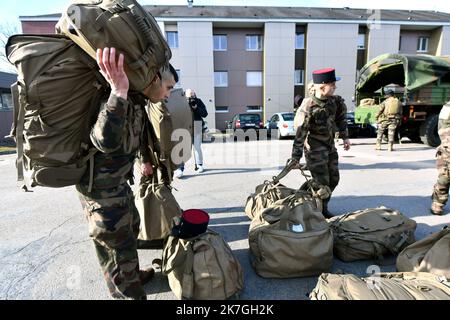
[{"x": 12, "y": 9}]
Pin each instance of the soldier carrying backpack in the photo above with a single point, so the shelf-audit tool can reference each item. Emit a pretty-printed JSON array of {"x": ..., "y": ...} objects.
[
  {"x": 80, "y": 119},
  {"x": 388, "y": 117}
]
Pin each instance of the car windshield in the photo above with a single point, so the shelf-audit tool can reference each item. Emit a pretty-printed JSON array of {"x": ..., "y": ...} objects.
[
  {"x": 288, "y": 116},
  {"x": 249, "y": 117}
]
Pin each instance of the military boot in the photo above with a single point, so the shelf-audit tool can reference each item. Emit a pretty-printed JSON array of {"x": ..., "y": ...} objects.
[
  {"x": 437, "y": 208},
  {"x": 378, "y": 145},
  {"x": 390, "y": 147}
]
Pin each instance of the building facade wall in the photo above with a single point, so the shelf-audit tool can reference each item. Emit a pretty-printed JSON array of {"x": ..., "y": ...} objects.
[
  {"x": 38, "y": 27},
  {"x": 237, "y": 61},
  {"x": 443, "y": 46},
  {"x": 409, "y": 39},
  {"x": 383, "y": 39},
  {"x": 196, "y": 62},
  {"x": 334, "y": 46},
  {"x": 279, "y": 66}
]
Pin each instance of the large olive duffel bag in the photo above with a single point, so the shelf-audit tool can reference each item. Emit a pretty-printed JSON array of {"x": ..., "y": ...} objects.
[
  {"x": 122, "y": 24},
  {"x": 383, "y": 286},
  {"x": 371, "y": 233},
  {"x": 267, "y": 193},
  {"x": 431, "y": 254},
  {"x": 290, "y": 239},
  {"x": 202, "y": 268}
]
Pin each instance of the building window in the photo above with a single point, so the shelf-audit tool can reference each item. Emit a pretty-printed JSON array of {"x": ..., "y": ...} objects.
[
  {"x": 254, "y": 79},
  {"x": 254, "y": 109},
  {"x": 172, "y": 39},
  {"x": 299, "y": 76},
  {"x": 221, "y": 109},
  {"x": 178, "y": 84},
  {"x": 6, "y": 101},
  {"x": 221, "y": 79},
  {"x": 361, "y": 41},
  {"x": 422, "y": 44},
  {"x": 254, "y": 42},
  {"x": 400, "y": 43},
  {"x": 220, "y": 42},
  {"x": 300, "y": 41}
]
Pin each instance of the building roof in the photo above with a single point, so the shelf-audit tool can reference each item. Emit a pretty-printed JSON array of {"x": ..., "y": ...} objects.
[
  {"x": 7, "y": 79},
  {"x": 264, "y": 13}
]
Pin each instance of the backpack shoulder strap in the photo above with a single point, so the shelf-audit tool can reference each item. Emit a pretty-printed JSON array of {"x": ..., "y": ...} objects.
[{"x": 19, "y": 114}]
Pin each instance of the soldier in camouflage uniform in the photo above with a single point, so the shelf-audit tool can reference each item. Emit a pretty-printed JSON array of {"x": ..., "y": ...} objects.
[
  {"x": 109, "y": 204},
  {"x": 318, "y": 119},
  {"x": 388, "y": 117},
  {"x": 440, "y": 190}
]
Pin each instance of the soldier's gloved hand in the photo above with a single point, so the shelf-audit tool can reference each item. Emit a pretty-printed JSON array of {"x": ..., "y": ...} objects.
[
  {"x": 146, "y": 169},
  {"x": 347, "y": 144},
  {"x": 113, "y": 71}
]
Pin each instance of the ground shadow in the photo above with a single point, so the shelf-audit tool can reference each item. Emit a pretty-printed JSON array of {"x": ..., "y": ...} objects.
[{"x": 413, "y": 165}]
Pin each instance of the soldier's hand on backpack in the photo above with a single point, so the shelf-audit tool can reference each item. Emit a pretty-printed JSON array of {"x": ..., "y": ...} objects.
[
  {"x": 113, "y": 71},
  {"x": 347, "y": 144},
  {"x": 146, "y": 169}
]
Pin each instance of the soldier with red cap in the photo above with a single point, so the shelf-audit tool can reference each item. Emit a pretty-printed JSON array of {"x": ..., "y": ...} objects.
[{"x": 319, "y": 117}]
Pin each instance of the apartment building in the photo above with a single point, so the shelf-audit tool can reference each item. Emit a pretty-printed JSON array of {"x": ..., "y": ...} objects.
[{"x": 256, "y": 59}]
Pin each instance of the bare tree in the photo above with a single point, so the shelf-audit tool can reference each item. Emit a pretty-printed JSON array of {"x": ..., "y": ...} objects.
[{"x": 6, "y": 30}]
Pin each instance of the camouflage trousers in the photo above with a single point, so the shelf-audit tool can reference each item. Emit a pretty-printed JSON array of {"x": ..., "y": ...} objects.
[
  {"x": 323, "y": 166},
  {"x": 391, "y": 125},
  {"x": 440, "y": 190},
  {"x": 114, "y": 226}
]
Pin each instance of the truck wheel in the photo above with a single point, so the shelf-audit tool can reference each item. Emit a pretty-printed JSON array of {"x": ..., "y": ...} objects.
[{"x": 429, "y": 131}]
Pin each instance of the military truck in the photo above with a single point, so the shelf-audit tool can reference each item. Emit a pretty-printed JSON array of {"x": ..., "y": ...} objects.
[{"x": 421, "y": 82}]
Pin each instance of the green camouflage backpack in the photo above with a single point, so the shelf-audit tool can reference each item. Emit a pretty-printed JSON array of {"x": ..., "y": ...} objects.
[
  {"x": 122, "y": 24},
  {"x": 57, "y": 94}
]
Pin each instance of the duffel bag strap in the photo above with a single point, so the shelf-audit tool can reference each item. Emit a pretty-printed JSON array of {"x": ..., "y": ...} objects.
[{"x": 20, "y": 106}]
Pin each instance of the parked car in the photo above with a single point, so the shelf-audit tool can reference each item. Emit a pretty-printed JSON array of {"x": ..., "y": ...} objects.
[
  {"x": 284, "y": 122},
  {"x": 245, "y": 121}
]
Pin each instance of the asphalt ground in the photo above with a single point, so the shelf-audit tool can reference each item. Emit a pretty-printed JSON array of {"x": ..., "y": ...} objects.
[{"x": 46, "y": 253}]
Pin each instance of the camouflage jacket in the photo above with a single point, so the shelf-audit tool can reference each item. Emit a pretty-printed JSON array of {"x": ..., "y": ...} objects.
[
  {"x": 118, "y": 134},
  {"x": 318, "y": 121},
  {"x": 444, "y": 126},
  {"x": 382, "y": 115}
]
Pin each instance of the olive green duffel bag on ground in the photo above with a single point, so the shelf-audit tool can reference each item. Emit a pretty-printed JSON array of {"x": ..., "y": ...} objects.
[
  {"x": 202, "y": 268},
  {"x": 383, "y": 286},
  {"x": 290, "y": 239},
  {"x": 431, "y": 254},
  {"x": 371, "y": 233}
]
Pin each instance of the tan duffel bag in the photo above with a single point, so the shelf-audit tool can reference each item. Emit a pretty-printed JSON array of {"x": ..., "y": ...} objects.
[
  {"x": 431, "y": 254},
  {"x": 202, "y": 268},
  {"x": 122, "y": 24},
  {"x": 371, "y": 233},
  {"x": 291, "y": 239},
  {"x": 267, "y": 193},
  {"x": 383, "y": 286},
  {"x": 157, "y": 207}
]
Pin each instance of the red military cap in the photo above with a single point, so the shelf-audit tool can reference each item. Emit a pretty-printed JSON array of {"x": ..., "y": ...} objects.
[{"x": 327, "y": 75}]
